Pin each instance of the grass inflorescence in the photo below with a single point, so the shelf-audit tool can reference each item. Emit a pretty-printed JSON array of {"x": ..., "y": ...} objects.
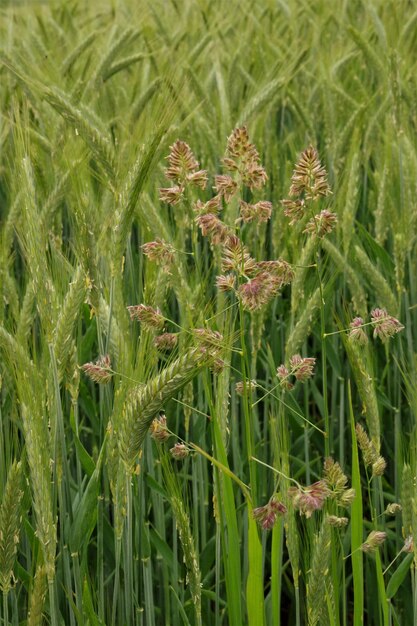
[{"x": 208, "y": 313}]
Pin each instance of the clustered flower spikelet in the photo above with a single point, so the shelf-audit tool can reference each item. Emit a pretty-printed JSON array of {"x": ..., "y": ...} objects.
[
  {"x": 236, "y": 257},
  {"x": 408, "y": 544},
  {"x": 179, "y": 451},
  {"x": 243, "y": 157},
  {"x": 159, "y": 251},
  {"x": 309, "y": 182},
  {"x": 171, "y": 195},
  {"x": 309, "y": 499},
  {"x": 250, "y": 385},
  {"x": 182, "y": 162},
  {"x": 302, "y": 368},
  {"x": 150, "y": 318},
  {"x": 375, "y": 539},
  {"x": 159, "y": 430},
  {"x": 259, "y": 212},
  {"x": 336, "y": 482},
  {"x": 212, "y": 227},
  {"x": 393, "y": 508},
  {"x": 211, "y": 206},
  {"x": 321, "y": 224},
  {"x": 385, "y": 326},
  {"x": 267, "y": 515},
  {"x": 226, "y": 282},
  {"x": 357, "y": 334},
  {"x": 309, "y": 177},
  {"x": 183, "y": 170},
  {"x": 166, "y": 341},
  {"x": 208, "y": 338},
  {"x": 294, "y": 209},
  {"x": 337, "y": 522},
  {"x": 369, "y": 452},
  {"x": 257, "y": 292},
  {"x": 100, "y": 371},
  {"x": 225, "y": 186}
]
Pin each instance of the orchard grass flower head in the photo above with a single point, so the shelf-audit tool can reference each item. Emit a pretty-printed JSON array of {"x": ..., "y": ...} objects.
[
  {"x": 226, "y": 282},
  {"x": 198, "y": 179},
  {"x": 393, "y": 508},
  {"x": 302, "y": 367},
  {"x": 267, "y": 515},
  {"x": 309, "y": 499},
  {"x": 181, "y": 162},
  {"x": 250, "y": 385},
  {"x": 236, "y": 258},
  {"x": 283, "y": 374},
  {"x": 150, "y": 318},
  {"x": 294, "y": 210},
  {"x": 100, "y": 371},
  {"x": 243, "y": 158},
  {"x": 257, "y": 292},
  {"x": 259, "y": 212},
  {"x": 279, "y": 269},
  {"x": 309, "y": 177},
  {"x": 166, "y": 341},
  {"x": 159, "y": 251},
  {"x": 371, "y": 457},
  {"x": 379, "y": 466},
  {"x": 346, "y": 498},
  {"x": 211, "y": 206},
  {"x": 179, "y": 451},
  {"x": 321, "y": 224},
  {"x": 159, "y": 430},
  {"x": 171, "y": 195},
  {"x": 375, "y": 539},
  {"x": 225, "y": 186},
  {"x": 211, "y": 226},
  {"x": 337, "y": 522},
  {"x": 385, "y": 325},
  {"x": 408, "y": 544},
  {"x": 356, "y": 333},
  {"x": 208, "y": 338}
]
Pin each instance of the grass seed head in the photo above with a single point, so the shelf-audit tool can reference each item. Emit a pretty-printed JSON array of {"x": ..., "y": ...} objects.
[
  {"x": 182, "y": 162},
  {"x": 179, "y": 451},
  {"x": 375, "y": 539},
  {"x": 100, "y": 371},
  {"x": 385, "y": 325},
  {"x": 357, "y": 333},
  {"x": 309, "y": 177},
  {"x": 150, "y": 318}
]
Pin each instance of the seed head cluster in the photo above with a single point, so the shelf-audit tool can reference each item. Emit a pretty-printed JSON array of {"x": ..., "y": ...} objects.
[
  {"x": 301, "y": 368},
  {"x": 267, "y": 515}
]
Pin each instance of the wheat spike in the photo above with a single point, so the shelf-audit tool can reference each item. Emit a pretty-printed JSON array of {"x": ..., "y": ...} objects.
[
  {"x": 407, "y": 496},
  {"x": 303, "y": 327},
  {"x": 366, "y": 390},
  {"x": 84, "y": 122},
  {"x": 37, "y": 447},
  {"x": 69, "y": 313},
  {"x": 69, "y": 61},
  {"x": 383, "y": 292},
  {"x": 317, "y": 586},
  {"x": 144, "y": 402},
  {"x": 10, "y": 524},
  {"x": 37, "y": 597},
  {"x": 356, "y": 290}
]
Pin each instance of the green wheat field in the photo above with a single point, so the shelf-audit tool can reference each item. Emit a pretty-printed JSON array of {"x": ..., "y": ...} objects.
[{"x": 208, "y": 313}]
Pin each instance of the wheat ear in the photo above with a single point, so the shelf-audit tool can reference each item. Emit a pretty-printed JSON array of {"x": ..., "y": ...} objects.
[
  {"x": 144, "y": 402},
  {"x": 10, "y": 524}
]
